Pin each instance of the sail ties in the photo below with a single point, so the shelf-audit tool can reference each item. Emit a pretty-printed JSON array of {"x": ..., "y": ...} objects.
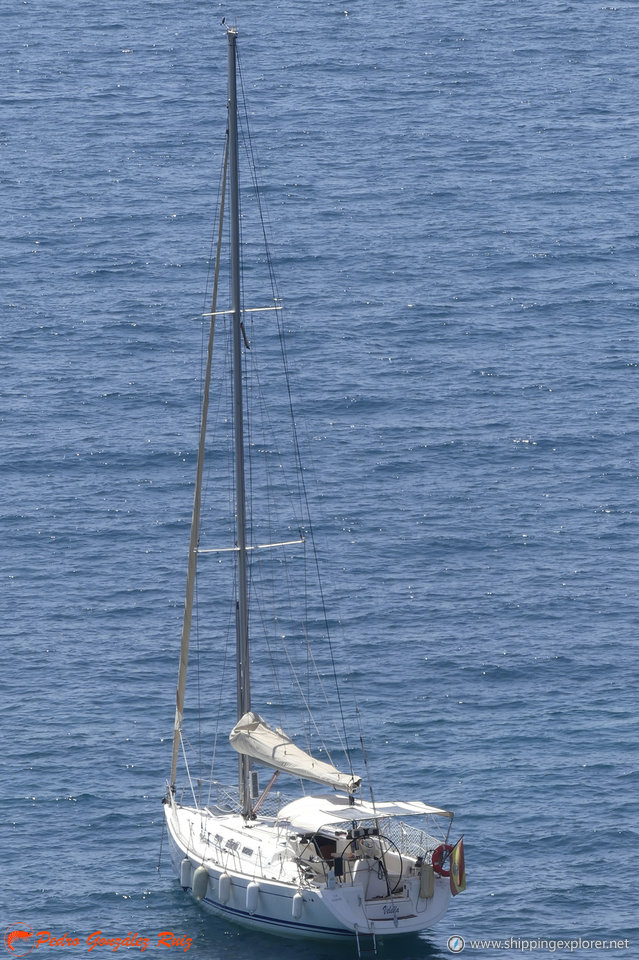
[{"x": 252, "y": 737}]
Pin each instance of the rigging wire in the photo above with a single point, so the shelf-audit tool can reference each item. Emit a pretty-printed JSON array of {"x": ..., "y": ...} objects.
[
  {"x": 204, "y": 397},
  {"x": 296, "y": 445},
  {"x": 263, "y": 562},
  {"x": 258, "y": 424}
]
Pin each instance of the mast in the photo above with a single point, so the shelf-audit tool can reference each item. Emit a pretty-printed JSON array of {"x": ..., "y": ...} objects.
[
  {"x": 242, "y": 634},
  {"x": 231, "y": 163}
]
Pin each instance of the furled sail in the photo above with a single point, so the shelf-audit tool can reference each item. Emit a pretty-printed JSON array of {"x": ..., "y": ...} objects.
[{"x": 252, "y": 737}]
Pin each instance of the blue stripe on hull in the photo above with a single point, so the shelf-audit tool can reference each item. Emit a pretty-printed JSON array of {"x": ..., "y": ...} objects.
[{"x": 287, "y": 925}]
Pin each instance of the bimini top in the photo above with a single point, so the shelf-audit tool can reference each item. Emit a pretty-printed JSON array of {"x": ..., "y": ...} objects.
[
  {"x": 312, "y": 813},
  {"x": 253, "y": 737}
]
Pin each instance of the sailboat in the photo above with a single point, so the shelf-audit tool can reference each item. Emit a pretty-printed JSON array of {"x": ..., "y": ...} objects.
[{"x": 331, "y": 861}]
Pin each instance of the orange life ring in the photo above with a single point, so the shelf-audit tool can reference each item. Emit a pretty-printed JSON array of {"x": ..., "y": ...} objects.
[{"x": 440, "y": 854}]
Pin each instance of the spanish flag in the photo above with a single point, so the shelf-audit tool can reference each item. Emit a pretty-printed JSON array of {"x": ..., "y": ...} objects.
[{"x": 457, "y": 868}]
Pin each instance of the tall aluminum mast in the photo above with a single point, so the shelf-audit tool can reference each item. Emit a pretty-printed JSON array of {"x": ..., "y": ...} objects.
[{"x": 242, "y": 634}]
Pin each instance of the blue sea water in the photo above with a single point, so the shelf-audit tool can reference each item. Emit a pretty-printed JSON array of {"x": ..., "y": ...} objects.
[{"x": 452, "y": 190}]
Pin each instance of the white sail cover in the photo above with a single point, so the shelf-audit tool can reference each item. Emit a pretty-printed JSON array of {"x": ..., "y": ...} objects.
[{"x": 253, "y": 737}]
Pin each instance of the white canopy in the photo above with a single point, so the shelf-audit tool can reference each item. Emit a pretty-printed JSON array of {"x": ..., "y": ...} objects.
[
  {"x": 312, "y": 813},
  {"x": 253, "y": 737}
]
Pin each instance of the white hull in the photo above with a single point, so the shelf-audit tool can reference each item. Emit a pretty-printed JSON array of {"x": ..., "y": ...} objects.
[{"x": 271, "y": 892}]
